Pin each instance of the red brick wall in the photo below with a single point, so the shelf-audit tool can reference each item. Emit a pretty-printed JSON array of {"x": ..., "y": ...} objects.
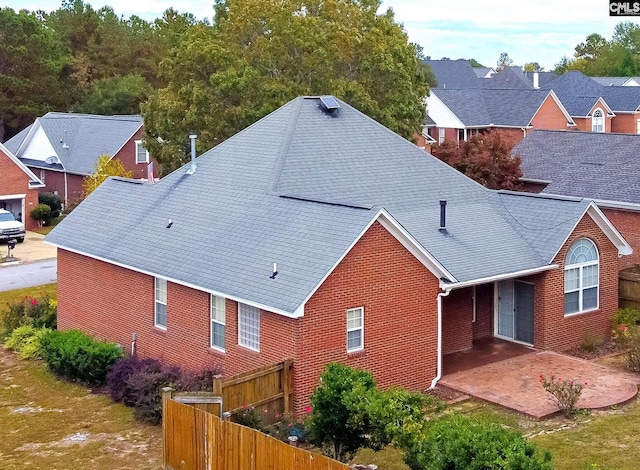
[
  {"x": 628, "y": 224},
  {"x": 457, "y": 326},
  {"x": 127, "y": 155},
  {"x": 399, "y": 296},
  {"x": 549, "y": 116},
  {"x": 555, "y": 331},
  {"x": 625, "y": 123},
  {"x": 484, "y": 324},
  {"x": 54, "y": 181},
  {"x": 15, "y": 181}
]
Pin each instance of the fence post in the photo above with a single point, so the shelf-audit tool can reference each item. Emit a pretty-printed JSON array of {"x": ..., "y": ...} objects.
[
  {"x": 167, "y": 393},
  {"x": 286, "y": 385}
]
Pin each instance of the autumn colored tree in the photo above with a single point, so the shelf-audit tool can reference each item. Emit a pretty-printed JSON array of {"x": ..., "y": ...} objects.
[
  {"x": 259, "y": 54},
  {"x": 105, "y": 167},
  {"x": 485, "y": 158}
]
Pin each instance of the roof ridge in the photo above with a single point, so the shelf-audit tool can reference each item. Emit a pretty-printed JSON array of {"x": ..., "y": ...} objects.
[{"x": 283, "y": 151}]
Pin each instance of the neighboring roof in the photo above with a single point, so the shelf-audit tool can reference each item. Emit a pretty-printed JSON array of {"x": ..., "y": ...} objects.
[
  {"x": 611, "y": 81},
  {"x": 299, "y": 188},
  {"x": 600, "y": 166},
  {"x": 484, "y": 72},
  {"x": 453, "y": 74},
  {"x": 489, "y": 107},
  {"x": 543, "y": 77},
  {"x": 622, "y": 98},
  {"x": 34, "y": 181},
  {"x": 508, "y": 78},
  {"x": 577, "y": 92},
  {"x": 77, "y": 139}
]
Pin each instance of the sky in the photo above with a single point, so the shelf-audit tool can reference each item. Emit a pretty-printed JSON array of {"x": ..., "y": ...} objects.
[{"x": 540, "y": 31}]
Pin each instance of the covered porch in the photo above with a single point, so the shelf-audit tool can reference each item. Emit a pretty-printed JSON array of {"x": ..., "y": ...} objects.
[{"x": 508, "y": 374}]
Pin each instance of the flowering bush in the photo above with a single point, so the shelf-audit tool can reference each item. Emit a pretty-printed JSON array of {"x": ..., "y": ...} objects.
[
  {"x": 564, "y": 393},
  {"x": 292, "y": 424},
  {"x": 39, "y": 313},
  {"x": 250, "y": 417}
]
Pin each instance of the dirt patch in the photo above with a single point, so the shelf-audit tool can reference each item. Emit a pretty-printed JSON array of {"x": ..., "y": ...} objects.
[
  {"x": 603, "y": 349},
  {"x": 446, "y": 394}
]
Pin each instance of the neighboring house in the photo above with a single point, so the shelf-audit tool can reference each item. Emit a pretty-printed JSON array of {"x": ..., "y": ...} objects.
[
  {"x": 460, "y": 114},
  {"x": 603, "y": 167},
  {"x": 484, "y": 72},
  {"x": 63, "y": 148},
  {"x": 317, "y": 234},
  {"x": 18, "y": 188},
  {"x": 617, "y": 81}
]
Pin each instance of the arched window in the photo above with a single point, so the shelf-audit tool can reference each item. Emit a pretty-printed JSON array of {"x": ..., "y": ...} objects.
[
  {"x": 597, "y": 121},
  {"x": 581, "y": 277}
]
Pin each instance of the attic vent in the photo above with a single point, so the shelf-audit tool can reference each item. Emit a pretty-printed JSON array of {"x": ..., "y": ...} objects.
[{"x": 329, "y": 103}]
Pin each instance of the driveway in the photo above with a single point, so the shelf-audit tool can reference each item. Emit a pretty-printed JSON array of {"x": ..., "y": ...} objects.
[{"x": 37, "y": 264}]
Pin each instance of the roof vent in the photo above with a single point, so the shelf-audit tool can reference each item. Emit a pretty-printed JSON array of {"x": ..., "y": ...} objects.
[
  {"x": 329, "y": 103},
  {"x": 193, "y": 166},
  {"x": 443, "y": 216}
]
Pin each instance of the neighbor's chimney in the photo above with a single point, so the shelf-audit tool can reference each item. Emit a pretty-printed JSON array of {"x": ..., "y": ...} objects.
[
  {"x": 443, "y": 215},
  {"x": 536, "y": 80},
  {"x": 192, "y": 168}
]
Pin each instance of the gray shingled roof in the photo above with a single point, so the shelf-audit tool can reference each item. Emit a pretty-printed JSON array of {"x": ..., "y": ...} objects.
[
  {"x": 484, "y": 107},
  {"x": 577, "y": 92},
  {"x": 453, "y": 74},
  {"x": 508, "y": 78},
  {"x": 87, "y": 137},
  {"x": 596, "y": 165},
  {"x": 297, "y": 188}
]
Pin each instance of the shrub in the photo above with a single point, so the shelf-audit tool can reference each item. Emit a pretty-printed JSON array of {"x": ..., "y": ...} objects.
[
  {"x": 460, "y": 443},
  {"x": 139, "y": 382},
  {"x": 628, "y": 339},
  {"x": 250, "y": 417},
  {"x": 41, "y": 212},
  {"x": 30, "y": 311},
  {"x": 291, "y": 424},
  {"x": 26, "y": 341},
  {"x": 626, "y": 316},
  {"x": 564, "y": 393},
  {"x": 591, "y": 341},
  {"x": 76, "y": 356},
  {"x": 53, "y": 201}
]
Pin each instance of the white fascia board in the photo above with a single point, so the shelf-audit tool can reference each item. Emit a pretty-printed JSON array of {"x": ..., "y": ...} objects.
[
  {"x": 5, "y": 197},
  {"x": 500, "y": 277},
  {"x": 400, "y": 234},
  {"x": 561, "y": 106},
  {"x": 126, "y": 141},
  {"x": 607, "y": 228},
  {"x": 37, "y": 183},
  {"x": 27, "y": 138},
  {"x": 441, "y": 114},
  {"x": 182, "y": 283}
]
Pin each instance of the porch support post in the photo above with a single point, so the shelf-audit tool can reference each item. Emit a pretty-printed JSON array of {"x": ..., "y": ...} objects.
[{"x": 438, "y": 376}]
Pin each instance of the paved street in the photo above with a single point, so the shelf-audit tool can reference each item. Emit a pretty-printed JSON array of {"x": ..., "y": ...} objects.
[{"x": 28, "y": 274}]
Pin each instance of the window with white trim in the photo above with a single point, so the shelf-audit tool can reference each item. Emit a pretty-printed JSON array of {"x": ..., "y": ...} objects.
[
  {"x": 142, "y": 154},
  {"x": 581, "y": 277},
  {"x": 161, "y": 303},
  {"x": 440, "y": 135},
  {"x": 43, "y": 174},
  {"x": 597, "y": 121},
  {"x": 355, "y": 329},
  {"x": 249, "y": 326},
  {"x": 217, "y": 307},
  {"x": 637, "y": 126}
]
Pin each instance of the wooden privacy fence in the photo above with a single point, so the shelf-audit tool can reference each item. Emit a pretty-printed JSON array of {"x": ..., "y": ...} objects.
[
  {"x": 629, "y": 287},
  {"x": 195, "y": 439}
]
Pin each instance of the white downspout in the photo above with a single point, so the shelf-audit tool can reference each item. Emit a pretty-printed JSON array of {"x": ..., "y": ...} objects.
[{"x": 439, "y": 369}]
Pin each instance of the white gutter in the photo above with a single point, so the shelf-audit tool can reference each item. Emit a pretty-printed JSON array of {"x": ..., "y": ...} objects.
[
  {"x": 439, "y": 367},
  {"x": 474, "y": 282}
]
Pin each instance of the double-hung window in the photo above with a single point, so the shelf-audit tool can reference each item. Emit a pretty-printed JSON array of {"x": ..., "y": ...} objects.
[
  {"x": 249, "y": 326},
  {"x": 142, "y": 154},
  {"x": 597, "y": 121},
  {"x": 355, "y": 329},
  {"x": 217, "y": 322},
  {"x": 581, "y": 278},
  {"x": 161, "y": 303}
]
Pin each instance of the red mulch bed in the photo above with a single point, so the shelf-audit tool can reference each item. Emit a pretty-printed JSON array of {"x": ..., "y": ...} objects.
[{"x": 606, "y": 348}]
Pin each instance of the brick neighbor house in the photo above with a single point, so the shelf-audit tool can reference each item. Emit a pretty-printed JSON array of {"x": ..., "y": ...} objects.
[
  {"x": 600, "y": 166},
  {"x": 18, "y": 187},
  {"x": 63, "y": 148},
  {"x": 319, "y": 235}
]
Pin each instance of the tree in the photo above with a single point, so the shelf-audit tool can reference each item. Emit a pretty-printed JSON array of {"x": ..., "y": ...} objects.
[
  {"x": 260, "y": 54},
  {"x": 116, "y": 95},
  {"x": 31, "y": 64},
  {"x": 533, "y": 67},
  {"x": 485, "y": 158},
  {"x": 562, "y": 66},
  {"x": 504, "y": 61},
  {"x": 475, "y": 63},
  {"x": 105, "y": 167}
]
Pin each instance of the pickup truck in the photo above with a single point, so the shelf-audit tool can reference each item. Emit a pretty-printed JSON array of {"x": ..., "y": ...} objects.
[{"x": 10, "y": 227}]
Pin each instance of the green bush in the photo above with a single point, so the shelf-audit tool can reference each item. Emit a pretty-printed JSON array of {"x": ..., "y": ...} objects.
[
  {"x": 41, "y": 212},
  {"x": 40, "y": 313},
  {"x": 460, "y": 443},
  {"x": 628, "y": 339},
  {"x": 76, "y": 356},
  {"x": 626, "y": 316},
  {"x": 53, "y": 201},
  {"x": 26, "y": 341}
]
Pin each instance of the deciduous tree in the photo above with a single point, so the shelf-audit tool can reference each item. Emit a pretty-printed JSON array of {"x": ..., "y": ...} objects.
[{"x": 105, "y": 167}]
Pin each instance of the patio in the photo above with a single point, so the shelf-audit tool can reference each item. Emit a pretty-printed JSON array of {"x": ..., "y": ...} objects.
[{"x": 508, "y": 375}]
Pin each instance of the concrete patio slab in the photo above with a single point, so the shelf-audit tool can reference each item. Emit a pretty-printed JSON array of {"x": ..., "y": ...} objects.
[{"x": 515, "y": 383}]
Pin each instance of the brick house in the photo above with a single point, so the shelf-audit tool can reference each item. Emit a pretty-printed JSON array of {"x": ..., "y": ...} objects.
[
  {"x": 317, "y": 234},
  {"x": 63, "y": 148},
  {"x": 600, "y": 166},
  {"x": 18, "y": 187}
]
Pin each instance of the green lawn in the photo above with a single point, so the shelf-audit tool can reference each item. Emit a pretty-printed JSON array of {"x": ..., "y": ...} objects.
[{"x": 17, "y": 295}]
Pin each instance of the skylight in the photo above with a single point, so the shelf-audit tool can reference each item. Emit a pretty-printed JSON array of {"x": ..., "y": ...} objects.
[{"x": 329, "y": 103}]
